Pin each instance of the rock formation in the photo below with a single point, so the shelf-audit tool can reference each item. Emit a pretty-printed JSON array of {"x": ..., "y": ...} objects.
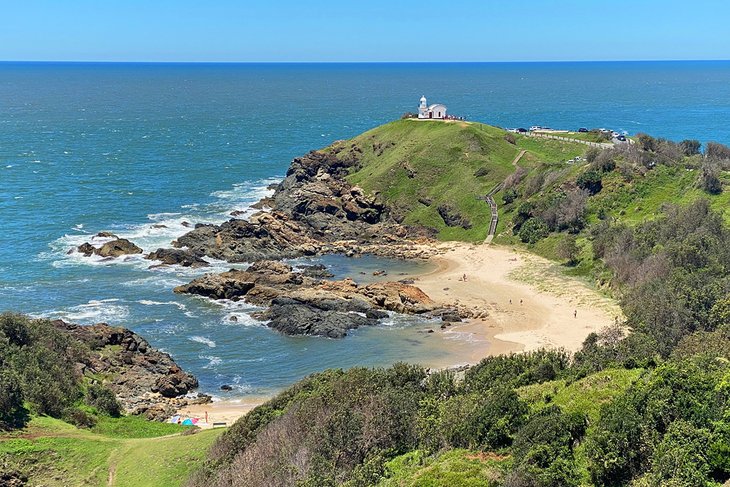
[
  {"x": 302, "y": 305},
  {"x": 145, "y": 380}
]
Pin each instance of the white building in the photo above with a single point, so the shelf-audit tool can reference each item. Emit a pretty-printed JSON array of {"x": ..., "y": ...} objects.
[{"x": 436, "y": 111}]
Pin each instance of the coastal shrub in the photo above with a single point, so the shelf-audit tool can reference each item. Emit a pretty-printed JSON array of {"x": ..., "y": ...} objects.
[
  {"x": 11, "y": 398},
  {"x": 690, "y": 147},
  {"x": 103, "y": 400},
  {"x": 716, "y": 151},
  {"x": 567, "y": 249},
  {"x": 671, "y": 405},
  {"x": 509, "y": 195},
  {"x": 534, "y": 230},
  {"x": 590, "y": 180},
  {"x": 543, "y": 448},
  {"x": 515, "y": 370},
  {"x": 709, "y": 180}
]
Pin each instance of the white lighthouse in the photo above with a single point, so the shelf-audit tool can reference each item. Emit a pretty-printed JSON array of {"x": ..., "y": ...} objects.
[{"x": 436, "y": 111}]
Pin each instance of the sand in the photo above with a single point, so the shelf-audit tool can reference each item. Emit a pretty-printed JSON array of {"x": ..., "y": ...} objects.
[
  {"x": 525, "y": 303},
  {"x": 528, "y": 301}
]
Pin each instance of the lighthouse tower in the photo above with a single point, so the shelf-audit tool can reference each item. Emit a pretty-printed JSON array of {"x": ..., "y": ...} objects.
[{"x": 423, "y": 108}]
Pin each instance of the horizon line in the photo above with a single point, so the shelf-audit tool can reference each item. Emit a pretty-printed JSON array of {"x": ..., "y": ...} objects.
[{"x": 366, "y": 62}]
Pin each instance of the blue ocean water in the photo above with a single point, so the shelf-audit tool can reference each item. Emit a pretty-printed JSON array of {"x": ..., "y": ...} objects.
[{"x": 138, "y": 149}]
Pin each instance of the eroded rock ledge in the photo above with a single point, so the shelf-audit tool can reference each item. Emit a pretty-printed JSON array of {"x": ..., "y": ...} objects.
[
  {"x": 144, "y": 379},
  {"x": 297, "y": 304},
  {"x": 314, "y": 210}
]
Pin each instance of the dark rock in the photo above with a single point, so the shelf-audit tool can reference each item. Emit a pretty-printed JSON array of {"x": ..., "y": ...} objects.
[
  {"x": 87, "y": 249},
  {"x": 292, "y": 317},
  {"x": 145, "y": 380},
  {"x": 181, "y": 257},
  {"x": 226, "y": 387},
  {"x": 175, "y": 384},
  {"x": 317, "y": 271},
  {"x": 117, "y": 248},
  {"x": 12, "y": 479},
  {"x": 425, "y": 201},
  {"x": 228, "y": 285},
  {"x": 106, "y": 235},
  {"x": 452, "y": 217},
  {"x": 159, "y": 225}
]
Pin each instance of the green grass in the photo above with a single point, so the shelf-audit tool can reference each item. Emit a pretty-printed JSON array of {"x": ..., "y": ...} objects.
[
  {"x": 135, "y": 427},
  {"x": 408, "y": 160},
  {"x": 455, "y": 467},
  {"x": 585, "y": 396},
  {"x": 137, "y": 452}
]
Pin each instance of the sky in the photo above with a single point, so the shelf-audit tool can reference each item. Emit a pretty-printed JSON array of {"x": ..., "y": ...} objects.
[{"x": 363, "y": 31}]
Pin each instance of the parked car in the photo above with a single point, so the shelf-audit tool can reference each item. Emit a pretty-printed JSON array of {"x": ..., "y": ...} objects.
[
  {"x": 622, "y": 138},
  {"x": 522, "y": 130},
  {"x": 583, "y": 129}
]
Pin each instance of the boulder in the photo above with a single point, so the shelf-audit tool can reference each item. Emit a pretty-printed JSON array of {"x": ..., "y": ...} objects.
[
  {"x": 175, "y": 384},
  {"x": 180, "y": 257},
  {"x": 292, "y": 317}
]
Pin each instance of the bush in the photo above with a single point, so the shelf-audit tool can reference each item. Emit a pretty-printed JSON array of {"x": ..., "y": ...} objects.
[
  {"x": 104, "y": 400},
  {"x": 534, "y": 230},
  {"x": 509, "y": 196},
  {"x": 567, "y": 249},
  {"x": 590, "y": 180},
  {"x": 690, "y": 147},
  {"x": 79, "y": 418},
  {"x": 11, "y": 398},
  {"x": 710, "y": 178}
]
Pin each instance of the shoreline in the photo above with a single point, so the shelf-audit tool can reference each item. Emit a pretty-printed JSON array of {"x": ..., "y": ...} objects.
[{"x": 540, "y": 314}]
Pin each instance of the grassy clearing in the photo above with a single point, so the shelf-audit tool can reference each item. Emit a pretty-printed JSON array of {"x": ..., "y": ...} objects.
[
  {"x": 138, "y": 452},
  {"x": 455, "y": 467}
]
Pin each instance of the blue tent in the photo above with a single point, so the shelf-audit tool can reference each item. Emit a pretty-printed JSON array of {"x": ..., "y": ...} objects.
[{"x": 187, "y": 422}]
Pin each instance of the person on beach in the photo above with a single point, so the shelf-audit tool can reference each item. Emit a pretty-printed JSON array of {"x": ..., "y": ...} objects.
[
  {"x": 464, "y": 278},
  {"x": 206, "y": 417},
  {"x": 575, "y": 313}
]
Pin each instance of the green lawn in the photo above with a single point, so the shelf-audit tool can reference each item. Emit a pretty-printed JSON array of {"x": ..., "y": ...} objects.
[
  {"x": 130, "y": 451},
  {"x": 453, "y": 468}
]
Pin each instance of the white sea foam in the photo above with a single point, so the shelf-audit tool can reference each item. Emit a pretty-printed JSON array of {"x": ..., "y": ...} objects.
[
  {"x": 160, "y": 229},
  {"x": 212, "y": 361},
  {"x": 95, "y": 311},
  {"x": 203, "y": 340},
  {"x": 148, "y": 302}
]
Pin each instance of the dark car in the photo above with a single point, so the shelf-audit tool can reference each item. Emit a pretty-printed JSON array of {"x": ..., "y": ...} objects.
[
  {"x": 522, "y": 130},
  {"x": 622, "y": 138},
  {"x": 582, "y": 129}
]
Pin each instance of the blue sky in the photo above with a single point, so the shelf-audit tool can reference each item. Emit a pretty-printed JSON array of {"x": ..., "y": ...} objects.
[{"x": 363, "y": 31}]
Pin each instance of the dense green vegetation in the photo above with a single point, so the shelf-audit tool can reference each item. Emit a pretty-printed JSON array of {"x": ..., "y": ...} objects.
[
  {"x": 643, "y": 403},
  {"x": 38, "y": 375}
]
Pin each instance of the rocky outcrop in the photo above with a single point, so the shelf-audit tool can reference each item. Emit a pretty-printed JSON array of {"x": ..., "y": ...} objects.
[
  {"x": 113, "y": 248},
  {"x": 452, "y": 217},
  {"x": 302, "y": 305},
  {"x": 145, "y": 380},
  {"x": 314, "y": 210},
  {"x": 180, "y": 257}
]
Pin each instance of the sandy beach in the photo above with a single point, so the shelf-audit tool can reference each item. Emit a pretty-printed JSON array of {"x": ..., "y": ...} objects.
[
  {"x": 527, "y": 301},
  {"x": 524, "y": 301}
]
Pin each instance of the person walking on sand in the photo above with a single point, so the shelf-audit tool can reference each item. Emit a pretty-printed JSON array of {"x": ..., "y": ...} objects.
[
  {"x": 575, "y": 313},
  {"x": 206, "y": 417},
  {"x": 464, "y": 277}
]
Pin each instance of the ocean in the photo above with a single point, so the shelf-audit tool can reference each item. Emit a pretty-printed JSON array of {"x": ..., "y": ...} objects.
[{"x": 139, "y": 149}]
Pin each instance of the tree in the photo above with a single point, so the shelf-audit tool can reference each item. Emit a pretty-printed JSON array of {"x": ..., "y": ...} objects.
[
  {"x": 567, "y": 249},
  {"x": 534, "y": 230},
  {"x": 11, "y": 397},
  {"x": 716, "y": 151},
  {"x": 710, "y": 178},
  {"x": 590, "y": 181},
  {"x": 690, "y": 147}
]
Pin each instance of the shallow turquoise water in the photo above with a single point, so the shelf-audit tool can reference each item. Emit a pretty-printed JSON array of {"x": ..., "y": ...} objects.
[{"x": 91, "y": 147}]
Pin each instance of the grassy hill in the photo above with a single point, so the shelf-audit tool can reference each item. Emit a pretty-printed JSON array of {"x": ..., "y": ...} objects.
[
  {"x": 419, "y": 166},
  {"x": 127, "y": 451}
]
